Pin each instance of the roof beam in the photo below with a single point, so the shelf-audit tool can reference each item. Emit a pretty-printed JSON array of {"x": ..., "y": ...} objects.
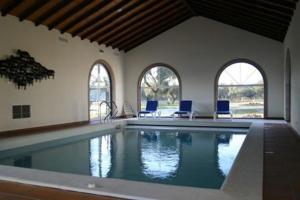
[
  {"x": 51, "y": 11},
  {"x": 189, "y": 7},
  {"x": 32, "y": 9},
  {"x": 240, "y": 24},
  {"x": 109, "y": 28},
  {"x": 226, "y": 15},
  {"x": 279, "y": 3},
  {"x": 106, "y": 17},
  {"x": 69, "y": 14},
  {"x": 146, "y": 22},
  {"x": 84, "y": 15},
  {"x": 113, "y": 30},
  {"x": 266, "y": 6},
  {"x": 153, "y": 33},
  {"x": 274, "y": 25},
  {"x": 247, "y": 8},
  {"x": 154, "y": 24},
  {"x": 10, "y": 7}
]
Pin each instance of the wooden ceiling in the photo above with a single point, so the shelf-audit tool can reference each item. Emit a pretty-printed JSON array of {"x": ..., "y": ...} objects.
[
  {"x": 125, "y": 24},
  {"x": 270, "y": 18}
]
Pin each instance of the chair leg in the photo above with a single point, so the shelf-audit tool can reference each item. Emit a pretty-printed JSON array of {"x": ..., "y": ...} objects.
[{"x": 191, "y": 115}]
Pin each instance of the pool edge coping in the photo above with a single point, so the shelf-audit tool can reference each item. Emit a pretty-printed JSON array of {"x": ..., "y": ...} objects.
[{"x": 228, "y": 188}]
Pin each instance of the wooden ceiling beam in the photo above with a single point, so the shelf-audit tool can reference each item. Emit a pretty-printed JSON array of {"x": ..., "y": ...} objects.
[
  {"x": 273, "y": 25},
  {"x": 279, "y": 3},
  {"x": 226, "y": 17},
  {"x": 49, "y": 13},
  {"x": 151, "y": 35},
  {"x": 69, "y": 14},
  {"x": 153, "y": 32},
  {"x": 107, "y": 18},
  {"x": 10, "y": 7},
  {"x": 189, "y": 7},
  {"x": 116, "y": 28},
  {"x": 146, "y": 23},
  {"x": 267, "y": 6},
  {"x": 154, "y": 24},
  {"x": 32, "y": 9},
  {"x": 247, "y": 8},
  {"x": 84, "y": 15},
  {"x": 109, "y": 29},
  {"x": 240, "y": 24}
]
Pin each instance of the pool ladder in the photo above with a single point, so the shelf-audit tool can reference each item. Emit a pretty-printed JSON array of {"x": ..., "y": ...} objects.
[{"x": 113, "y": 111}]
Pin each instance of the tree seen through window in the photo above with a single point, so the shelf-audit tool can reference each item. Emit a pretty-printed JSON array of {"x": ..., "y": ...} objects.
[{"x": 161, "y": 83}]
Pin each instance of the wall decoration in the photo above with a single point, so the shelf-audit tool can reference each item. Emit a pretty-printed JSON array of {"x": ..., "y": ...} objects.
[{"x": 23, "y": 70}]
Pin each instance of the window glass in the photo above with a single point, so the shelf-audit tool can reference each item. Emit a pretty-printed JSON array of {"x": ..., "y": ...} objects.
[
  {"x": 100, "y": 90},
  {"x": 243, "y": 85},
  {"x": 161, "y": 83}
]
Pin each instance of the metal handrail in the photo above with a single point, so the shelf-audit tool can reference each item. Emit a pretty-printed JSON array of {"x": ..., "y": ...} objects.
[{"x": 113, "y": 110}]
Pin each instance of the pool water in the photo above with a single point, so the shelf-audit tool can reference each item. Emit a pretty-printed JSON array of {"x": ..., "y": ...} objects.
[{"x": 197, "y": 158}]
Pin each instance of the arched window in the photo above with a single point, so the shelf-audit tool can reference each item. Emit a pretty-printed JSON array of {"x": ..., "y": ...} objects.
[
  {"x": 160, "y": 82},
  {"x": 100, "y": 89},
  {"x": 243, "y": 84}
]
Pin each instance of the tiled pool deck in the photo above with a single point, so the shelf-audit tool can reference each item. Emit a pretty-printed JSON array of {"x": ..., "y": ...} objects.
[{"x": 281, "y": 163}]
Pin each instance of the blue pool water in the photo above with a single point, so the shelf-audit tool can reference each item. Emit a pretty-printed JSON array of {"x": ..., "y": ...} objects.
[{"x": 199, "y": 158}]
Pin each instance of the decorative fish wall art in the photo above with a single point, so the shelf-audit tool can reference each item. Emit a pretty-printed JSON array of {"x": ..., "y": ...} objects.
[{"x": 23, "y": 70}]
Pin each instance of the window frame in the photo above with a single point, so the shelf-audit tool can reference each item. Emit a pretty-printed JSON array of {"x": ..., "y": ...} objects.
[
  {"x": 149, "y": 68},
  {"x": 254, "y": 64},
  {"x": 111, "y": 79}
]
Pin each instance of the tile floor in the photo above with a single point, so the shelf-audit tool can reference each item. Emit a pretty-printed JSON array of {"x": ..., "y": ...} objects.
[{"x": 281, "y": 163}]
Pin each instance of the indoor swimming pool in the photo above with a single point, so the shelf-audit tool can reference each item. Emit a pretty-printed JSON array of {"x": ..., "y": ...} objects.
[{"x": 199, "y": 157}]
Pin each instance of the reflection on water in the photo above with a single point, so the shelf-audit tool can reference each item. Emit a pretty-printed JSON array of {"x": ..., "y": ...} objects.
[
  {"x": 23, "y": 161},
  {"x": 184, "y": 137},
  {"x": 159, "y": 154},
  {"x": 100, "y": 156},
  {"x": 199, "y": 158},
  {"x": 228, "y": 148}
]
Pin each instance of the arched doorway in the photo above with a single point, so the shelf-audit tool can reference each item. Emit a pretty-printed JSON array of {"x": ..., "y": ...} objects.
[
  {"x": 160, "y": 82},
  {"x": 243, "y": 83},
  {"x": 100, "y": 89}
]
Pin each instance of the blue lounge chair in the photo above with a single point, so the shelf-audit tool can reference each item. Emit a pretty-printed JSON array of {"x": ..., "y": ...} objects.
[
  {"x": 151, "y": 108},
  {"x": 185, "y": 107},
  {"x": 223, "y": 108}
]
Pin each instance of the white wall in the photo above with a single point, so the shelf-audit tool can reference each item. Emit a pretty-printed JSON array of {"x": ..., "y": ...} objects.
[
  {"x": 292, "y": 41},
  {"x": 197, "y": 49},
  {"x": 64, "y": 99}
]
